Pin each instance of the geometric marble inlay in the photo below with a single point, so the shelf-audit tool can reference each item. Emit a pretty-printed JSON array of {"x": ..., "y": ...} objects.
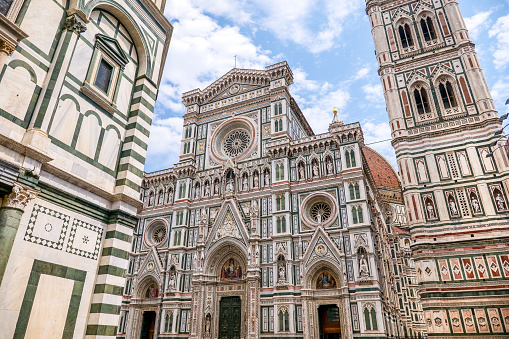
[
  {"x": 47, "y": 227},
  {"x": 85, "y": 239}
]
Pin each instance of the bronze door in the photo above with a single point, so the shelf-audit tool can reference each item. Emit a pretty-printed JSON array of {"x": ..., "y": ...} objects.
[{"x": 229, "y": 318}]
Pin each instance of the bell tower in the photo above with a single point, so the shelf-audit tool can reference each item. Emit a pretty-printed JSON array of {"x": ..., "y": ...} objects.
[{"x": 455, "y": 180}]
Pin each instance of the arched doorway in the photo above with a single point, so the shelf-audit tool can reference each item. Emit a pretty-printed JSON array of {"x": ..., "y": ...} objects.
[{"x": 325, "y": 300}]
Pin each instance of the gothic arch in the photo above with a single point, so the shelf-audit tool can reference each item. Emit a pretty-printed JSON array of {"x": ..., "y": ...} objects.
[
  {"x": 144, "y": 284},
  {"x": 122, "y": 15},
  {"x": 220, "y": 252},
  {"x": 324, "y": 265}
]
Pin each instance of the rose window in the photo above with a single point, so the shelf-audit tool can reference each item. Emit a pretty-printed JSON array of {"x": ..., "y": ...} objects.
[
  {"x": 159, "y": 234},
  {"x": 321, "y": 209},
  {"x": 236, "y": 143}
]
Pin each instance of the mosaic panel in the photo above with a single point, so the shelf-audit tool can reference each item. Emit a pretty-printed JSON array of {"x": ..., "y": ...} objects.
[
  {"x": 85, "y": 239},
  {"x": 47, "y": 227}
]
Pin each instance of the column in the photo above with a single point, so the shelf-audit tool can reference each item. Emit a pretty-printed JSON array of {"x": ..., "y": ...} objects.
[
  {"x": 10, "y": 216},
  {"x": 104, "y": 313}
]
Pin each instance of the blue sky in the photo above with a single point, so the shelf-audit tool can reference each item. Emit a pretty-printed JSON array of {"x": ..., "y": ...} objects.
[{"x": 328, "y": 45}]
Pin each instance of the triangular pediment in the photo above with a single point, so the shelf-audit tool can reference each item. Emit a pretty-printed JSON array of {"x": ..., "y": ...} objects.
[
  {"x": 112, "y": 47},
  {"x": 151, "y": 265},
  {"x": 228, "y": 225},
  {"x": 321, "y": 247}
]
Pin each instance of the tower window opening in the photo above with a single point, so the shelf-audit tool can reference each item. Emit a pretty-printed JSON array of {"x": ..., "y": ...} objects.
[
  {"x": 421, "y": 100},
  {"x": 428, "y": 30},
  {"x": 447, "y": 95},
  {"x": 405, "y": 35}
]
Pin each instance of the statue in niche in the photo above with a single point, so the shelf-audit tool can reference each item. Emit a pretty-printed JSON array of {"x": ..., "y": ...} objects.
[
  {"x": 151, "y": 199},
  {"x": 452, "y": 207},
  {"x": 302, "y": 175},
  {"x": 500, "y": 202},
  {"x": 282, "y": 273},
  {"x": 207, "y": 190},
  {"x": 197, "y": 192},
  {"x": 315, "y": 169},
  {"x": 170, "y": 196},
  {"x": 363, "y": 266},
  {"x": 255, "y": 180},
  {"x": 244, "y": 183},
  {"x": 431, "y": 210},
  {"x": 330, "y": 167},
  {"x": 229, "y": 186},
  {"x": 267, "y": 179},
  {"x": 208, "y": 322},
  {"x": 172, "y": 282},
  {"x": 476, "y": 206},
  {"x": 216, "y": 188}
]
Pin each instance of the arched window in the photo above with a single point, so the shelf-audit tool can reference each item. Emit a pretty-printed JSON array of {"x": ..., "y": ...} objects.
[
  {"x": 428, "y": 29},
  {"x": 277, "y": 172},
  {"x": 421, "y": 100},
  {"x": 370, "y": 318},
  {"x": 283, "y": 225},
  {"x": 347, "y": 158},
  {"x": 280, "y": 125},
  {"x": 284, "y": 321},
  {"x": 360, "y": 216},
  {"x": 357, "y": 192},
  {"x": 354, "y": 215},
  {"x": 282, "y": 172},
  {"x": 276, "y": 126},
  {"x": 282, "y": 201},
  {"x": 405, "y": 35},
  {"x": 278, "y": 203},
  {"x": 278, "y": 225},
  {"x": 280, "y": 109},
  {"x": 352, "y": 194},
  {"x": 447, "y": 94},
  {"x": 166, "y": 322},
  {"x": 352, "y": 158}
]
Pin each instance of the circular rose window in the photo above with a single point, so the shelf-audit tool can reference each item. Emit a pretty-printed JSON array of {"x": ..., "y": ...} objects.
[
  {"x": 320, "y": 211},
  {"x": 159, "y": 234},
  {"x": 319, "y": 208},
  {"x": 236, "y": 143},
  {"x": 233, "y": 139},
  {"x": 156, "y": 233}
]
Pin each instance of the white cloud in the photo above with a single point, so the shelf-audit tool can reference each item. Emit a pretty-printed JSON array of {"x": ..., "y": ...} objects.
[
  {"x": 501, "y": 32},
  {"x": 164, "y": 142},
  {"x": 477, "y": 23},
  {"x": 374, "y": 136},
  {"x": 500, "y": 93},
  {"x": 374, "y": 93},
  {"x": 295, "y": 21},
  {"x": 362, "y": 73}
]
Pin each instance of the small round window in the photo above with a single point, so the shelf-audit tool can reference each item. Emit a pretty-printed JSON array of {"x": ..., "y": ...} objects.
[
  {"x": 156, "y": 233},
  {"x": 319, "y": 209}
]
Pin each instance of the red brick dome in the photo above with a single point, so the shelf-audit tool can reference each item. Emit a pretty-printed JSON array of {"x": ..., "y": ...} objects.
[{"x": 383, "y": 172}]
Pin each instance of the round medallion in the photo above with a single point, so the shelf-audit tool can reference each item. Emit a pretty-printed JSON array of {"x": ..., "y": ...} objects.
[
  {"x": 235, "y": 143},
  {"x": 320, "y": 211},
  {"x": 150, "y": 266},
  {"x": 321, "y": 250},
  {"x": 234, "y": 89}
]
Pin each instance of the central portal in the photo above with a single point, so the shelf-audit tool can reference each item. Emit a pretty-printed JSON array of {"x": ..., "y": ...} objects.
[
  {"x": 329, "y": 322},
  {"x": 229, "y": 318}
]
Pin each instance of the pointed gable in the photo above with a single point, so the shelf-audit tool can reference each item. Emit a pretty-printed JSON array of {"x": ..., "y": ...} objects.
[
  {"x": 152, "y": 265},
  {"x": 228, "y": 224},
  {"x": 321, "y": 247}
]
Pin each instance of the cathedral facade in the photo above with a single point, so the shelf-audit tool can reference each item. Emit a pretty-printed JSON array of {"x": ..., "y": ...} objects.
[
  {"x": 78, "y": 83},
  {"x": 446, "y": 131},
  {"x": 264, "y": 229}
]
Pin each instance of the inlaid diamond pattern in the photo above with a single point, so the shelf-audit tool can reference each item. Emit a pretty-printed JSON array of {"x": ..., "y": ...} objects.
[
  {"x": 36, "y": 231},
  {"x": 81, "y": 240}
]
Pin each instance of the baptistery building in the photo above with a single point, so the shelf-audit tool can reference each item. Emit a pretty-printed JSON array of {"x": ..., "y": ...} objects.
[{"x": 265, "y": 229}]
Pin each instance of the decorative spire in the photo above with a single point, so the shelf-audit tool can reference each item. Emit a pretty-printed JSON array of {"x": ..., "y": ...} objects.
[{"x": 336, "y": 119}]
